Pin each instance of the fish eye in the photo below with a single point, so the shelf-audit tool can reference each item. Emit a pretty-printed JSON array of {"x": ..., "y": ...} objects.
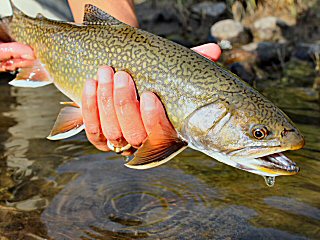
[{"x": 260, "y": 132}]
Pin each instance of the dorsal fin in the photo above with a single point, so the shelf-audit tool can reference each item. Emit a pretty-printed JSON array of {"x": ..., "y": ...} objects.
[{"x": 94, "y": 15}]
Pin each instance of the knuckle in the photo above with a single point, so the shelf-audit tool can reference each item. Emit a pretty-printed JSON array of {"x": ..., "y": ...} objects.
[
  {"x": 123, "y": 102},
  {"x": 136, "y": 138},
  {"x": 114, "y": 135},
  {"x": 105, "y": 99},
  {"x": 94, "y": 134}
]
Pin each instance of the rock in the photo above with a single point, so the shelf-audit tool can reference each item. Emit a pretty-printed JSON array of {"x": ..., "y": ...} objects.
[
  {"x": 230, "y": 30},
  {"x": 210, "y": 9},
  {"x": 307, "y": 52},
  {"x": 269, "y": 53},
  {"x": 269, "y": 29},
  {"x": 162, "y": 21},
  {"x": 238, "y": 55},
  {"x": 244, "y": 71}
]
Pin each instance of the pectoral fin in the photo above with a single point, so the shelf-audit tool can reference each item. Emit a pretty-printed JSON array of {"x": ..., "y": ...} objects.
[
  {"x": 68, "y": 124},
  {"x": 161, "y": 146},
  {"x": 34, "y": 76}
]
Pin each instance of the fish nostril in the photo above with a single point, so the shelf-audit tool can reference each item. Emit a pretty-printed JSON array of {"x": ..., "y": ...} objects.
[{"x": 286, "y": 131}]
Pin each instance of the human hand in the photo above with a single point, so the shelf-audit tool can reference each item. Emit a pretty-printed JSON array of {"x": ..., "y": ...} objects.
[
  {"x": 15, "y": 55},
  {"x": 112, "y": 112}
]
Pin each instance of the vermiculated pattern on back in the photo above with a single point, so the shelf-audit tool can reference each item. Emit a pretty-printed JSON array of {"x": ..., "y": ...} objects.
[{"x": 183, "y": 79}]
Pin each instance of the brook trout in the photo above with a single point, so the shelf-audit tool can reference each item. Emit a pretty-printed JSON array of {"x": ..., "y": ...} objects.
[{"x": 211, "y": 109}]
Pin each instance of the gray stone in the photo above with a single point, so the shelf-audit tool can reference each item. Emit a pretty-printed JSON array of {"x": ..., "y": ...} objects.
[
  {"x": 269, "y": 52},
  {"x": 210, "y": 9},
  {"x": 307, "y": 51},
  {"x": 244, "y": 71},
  {"x": 269, "y": 29},
  {"x": 230, "y": 30}
]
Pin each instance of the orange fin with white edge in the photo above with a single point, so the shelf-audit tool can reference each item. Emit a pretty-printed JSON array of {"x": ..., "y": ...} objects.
[
  {"x": 69, "y": 123},
  {"x": 161, "y": 146},
  {"x": 33, "y": 77}
]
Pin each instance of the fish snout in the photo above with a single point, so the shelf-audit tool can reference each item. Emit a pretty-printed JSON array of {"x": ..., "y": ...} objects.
[{"x": 292, "y": 138}]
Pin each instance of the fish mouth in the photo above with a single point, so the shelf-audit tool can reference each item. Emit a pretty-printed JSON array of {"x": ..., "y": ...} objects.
[{"x": 276, "y": 164}]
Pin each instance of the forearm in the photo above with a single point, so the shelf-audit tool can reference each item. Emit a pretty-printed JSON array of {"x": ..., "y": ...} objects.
[{"x": 123, "y": 10}]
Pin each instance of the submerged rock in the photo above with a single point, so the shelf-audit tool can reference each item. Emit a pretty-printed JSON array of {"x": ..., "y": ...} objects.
[
  {"x": 210, "y": 9},
  {"x": 299, "y": 73},
  {"x": 230, "y": 30},
  {"x": 269, "y": 29}
]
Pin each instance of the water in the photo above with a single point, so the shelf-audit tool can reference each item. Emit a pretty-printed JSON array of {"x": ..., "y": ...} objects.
[{"x": 69, "y": 190}]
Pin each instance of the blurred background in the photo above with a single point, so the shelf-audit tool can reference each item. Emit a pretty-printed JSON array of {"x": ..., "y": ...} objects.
[{"x": 70, "y": 190}]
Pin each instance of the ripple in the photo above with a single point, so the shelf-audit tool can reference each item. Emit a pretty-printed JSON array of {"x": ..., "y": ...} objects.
[
  {"x": 109, "y": 196},
  {"x": 110, "y": 201},
  {"x": 293, "y": 206}
]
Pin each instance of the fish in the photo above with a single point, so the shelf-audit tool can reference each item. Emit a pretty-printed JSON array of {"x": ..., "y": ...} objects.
[{"x": 211, "y": 109}]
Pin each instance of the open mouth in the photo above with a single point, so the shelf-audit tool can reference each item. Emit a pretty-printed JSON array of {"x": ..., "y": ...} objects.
[
  {"x": 269, "y": 165},
  {"x": 278, "y": 163}
]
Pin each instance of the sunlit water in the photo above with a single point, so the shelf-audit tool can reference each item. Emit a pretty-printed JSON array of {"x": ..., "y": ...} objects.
[{"x": 69, "y": 190}]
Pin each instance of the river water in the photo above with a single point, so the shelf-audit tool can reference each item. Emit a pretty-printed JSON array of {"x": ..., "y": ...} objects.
[{"x": 70, "y": 190}]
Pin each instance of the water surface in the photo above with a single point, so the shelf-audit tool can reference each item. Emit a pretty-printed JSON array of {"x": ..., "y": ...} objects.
[{"x": 69, "y": 190}]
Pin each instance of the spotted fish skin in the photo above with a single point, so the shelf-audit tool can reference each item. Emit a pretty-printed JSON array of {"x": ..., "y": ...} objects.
[{"x": 183, "y": 79}]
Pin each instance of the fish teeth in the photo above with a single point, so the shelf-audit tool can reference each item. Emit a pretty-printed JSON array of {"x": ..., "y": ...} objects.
[{"x": 279, "y": 160}]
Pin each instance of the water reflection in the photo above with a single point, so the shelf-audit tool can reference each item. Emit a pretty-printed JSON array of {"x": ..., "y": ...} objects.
[{"x": 109, "y": 201}]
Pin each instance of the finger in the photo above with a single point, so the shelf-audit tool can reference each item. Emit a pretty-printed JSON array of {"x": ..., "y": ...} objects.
[
  {"x": 13, "y": 64},
  {"x": 15, "y": 50},
  {"x": 108, "y": 117},
  {"x": 128, "y": 109},
  {"x": 152, "y": 111},
  {"x": 91, "y": 116},
  {"x": 210, "y": 50}
]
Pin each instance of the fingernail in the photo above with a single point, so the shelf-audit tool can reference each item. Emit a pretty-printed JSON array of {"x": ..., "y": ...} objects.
[
  {"x": 105, "y": 75},
  {"x": 149, "y": 102},
  {"x": 27, "y": 56},
  {"x": 121, "y": 80},
  {"x": 91, "y": 87}
]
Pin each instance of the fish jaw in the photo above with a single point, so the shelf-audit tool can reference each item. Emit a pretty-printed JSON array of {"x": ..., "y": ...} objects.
[{"x": 272, "y": 165}]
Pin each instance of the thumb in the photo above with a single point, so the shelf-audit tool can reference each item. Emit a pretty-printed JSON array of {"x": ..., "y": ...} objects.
[{"x": 210, "y": 50}]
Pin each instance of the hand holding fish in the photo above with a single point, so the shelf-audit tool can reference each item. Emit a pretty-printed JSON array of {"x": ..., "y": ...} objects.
[
  {"x": 110, "y": 108},
  {"x": 211, "y": 109},
  {"x": 112, "y": 111}
]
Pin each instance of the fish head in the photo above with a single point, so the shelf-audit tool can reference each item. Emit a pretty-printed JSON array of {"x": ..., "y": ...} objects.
[{"x": 248, "y": 136}]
